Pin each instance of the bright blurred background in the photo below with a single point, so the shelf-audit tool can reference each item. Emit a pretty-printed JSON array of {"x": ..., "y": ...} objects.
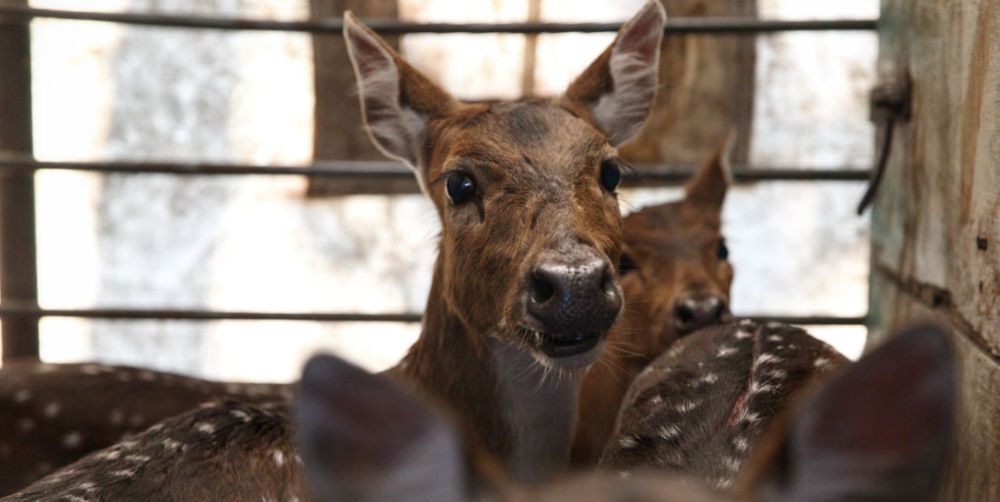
[{"x": 106, "y": 91}]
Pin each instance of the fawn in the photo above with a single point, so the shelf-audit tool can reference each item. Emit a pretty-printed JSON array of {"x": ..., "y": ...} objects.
[
  {"x": 524, "y": 287},
  {"x": 676, "y": 276},
  {"x": 675, "y": 258}
]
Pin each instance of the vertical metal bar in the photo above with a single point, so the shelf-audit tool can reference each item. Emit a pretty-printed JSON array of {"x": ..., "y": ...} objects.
[{"x": 18, "y": 273}]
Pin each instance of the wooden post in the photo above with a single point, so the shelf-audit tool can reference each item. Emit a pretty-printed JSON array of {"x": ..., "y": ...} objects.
[
  {"x": 18, "y": 274},
  {"x": 936, "y": 218},
  {"x": 338, "y": 133}
]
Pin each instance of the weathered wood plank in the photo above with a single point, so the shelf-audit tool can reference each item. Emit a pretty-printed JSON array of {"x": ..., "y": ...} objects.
[{"x": 936, "y": 222}]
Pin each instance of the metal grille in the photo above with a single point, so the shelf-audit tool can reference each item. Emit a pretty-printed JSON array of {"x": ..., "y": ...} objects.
[{"x": 20, "y": 311}]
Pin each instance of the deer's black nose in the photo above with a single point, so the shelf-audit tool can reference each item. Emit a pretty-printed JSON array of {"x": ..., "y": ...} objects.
[
  {"x": 574, "y": 300},
  {"x": 695, "y": 312}
]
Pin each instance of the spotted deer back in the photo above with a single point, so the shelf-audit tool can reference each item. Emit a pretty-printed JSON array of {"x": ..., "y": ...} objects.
[
  {"x": 702, "y": 407},
  {"x": 222, "y": 451}
]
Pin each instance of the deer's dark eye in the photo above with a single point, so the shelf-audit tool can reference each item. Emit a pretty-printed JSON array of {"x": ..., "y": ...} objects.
[
  {"x": 460, "y": 187},
  {"x": 611, "y": 174},
  {"x": 722, "y": 252}
]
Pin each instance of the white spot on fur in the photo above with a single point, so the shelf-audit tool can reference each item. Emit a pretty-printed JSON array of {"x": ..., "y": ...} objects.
[
  {"x": 22, "y": 396},
  {"x": 111, "y": 454},
  {"x": 775, "y": 374},
  {"x": 627, "y": 442},
  {"x": 72, "y": 440},
  {"x": 51, "y": 410},
  {"x": 204, "y": 427},
  {"x": 279, "y": 457},
  {"x": 823, "y": 363},
  {"x": 767, "y": 358},
  {"x": 732, "y": 463},
  {"x": 709, "y": 378},
  {"x": 758, "y": 387},
  {"x": 25, "y": 425},
  {"x": 741, "y": 443},
  {"x": 743, "y": 335},
  {"x": 774, "y": 338},
  {"x": 725, "y": 351},
  {"x": 137, "y": 458},
  {"x": 155, "y": 428},
  {"x": 123, "y": 473},
  {"x": 86, "y": 486},
  {"x": 749, "y": 417},
  {"x": 241, "y": 415},
  {"x": 686, "y": 406},
  {"x": 171, "y": 444},
  {"x": 669, "y": 431},
  {"x": 298, "y": 459}
]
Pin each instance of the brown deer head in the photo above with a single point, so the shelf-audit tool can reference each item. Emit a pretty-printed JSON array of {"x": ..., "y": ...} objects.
[
  {"x": 525, "y": 190},
  {"x": 676, "y": 272}
]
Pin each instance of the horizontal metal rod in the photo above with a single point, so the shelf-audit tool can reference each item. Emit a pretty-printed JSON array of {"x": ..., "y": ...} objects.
[
  {"x": 390, "y": 27},
  {"x": 644, "y": 175},
  {"x": 130, "y": 314}
]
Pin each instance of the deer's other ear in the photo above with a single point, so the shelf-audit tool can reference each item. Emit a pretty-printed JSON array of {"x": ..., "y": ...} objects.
[
  {"x": 397, "y": 101},
  {"x": 708, "y": 186},
  {"x": 619, "y": 87},
  {"x": 880, "y": 430},
  {"x": 364, "y": 438}
]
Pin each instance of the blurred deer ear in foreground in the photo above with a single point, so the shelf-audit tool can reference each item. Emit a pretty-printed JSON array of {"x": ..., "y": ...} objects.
[
  {"x": 879, "y": 430},
  {"x": 363, "y": 438}
]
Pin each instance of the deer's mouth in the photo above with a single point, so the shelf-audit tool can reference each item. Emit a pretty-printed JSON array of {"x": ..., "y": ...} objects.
[{"x": 561, "y": 346}]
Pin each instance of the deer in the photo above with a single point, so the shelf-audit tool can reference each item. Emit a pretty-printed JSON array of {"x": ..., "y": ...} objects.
[
  {"x": 879, "y": 429},
  {"x": 676, "y": 276},
  {"x": 703, "y": 407},
  {"x": 53, "y": 414},
  {"x": 524, "y": 288}
]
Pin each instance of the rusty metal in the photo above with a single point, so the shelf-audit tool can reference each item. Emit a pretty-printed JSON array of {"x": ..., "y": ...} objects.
[
  {"x": 644, "y": 175},
  {"x": 18, "y": 273},
  {"x": 889, "y": 103},
  {"x": 390, "y": 27},
  {"x": 157, "y": 314}
]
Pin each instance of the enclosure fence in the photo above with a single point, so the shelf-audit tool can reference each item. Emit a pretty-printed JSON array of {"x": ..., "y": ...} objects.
[{"x": 19, "y": 307}]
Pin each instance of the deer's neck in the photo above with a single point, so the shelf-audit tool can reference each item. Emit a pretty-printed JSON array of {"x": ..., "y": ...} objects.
[{"x": 519, "y": 411}]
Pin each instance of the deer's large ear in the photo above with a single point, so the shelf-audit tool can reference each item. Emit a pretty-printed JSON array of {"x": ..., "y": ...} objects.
[
  {"x": 617, "y": 90},
  {"x": 397, "y": 101},
  {"x": 364, "y": 438},
  {"x": 880, "y": 430},
  {"x": 708, "y": 186}
]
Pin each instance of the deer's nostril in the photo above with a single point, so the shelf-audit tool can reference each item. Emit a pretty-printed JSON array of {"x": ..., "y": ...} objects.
[
  {"x": 684, "y": 313},
  {"x": 542, "y": 289}
]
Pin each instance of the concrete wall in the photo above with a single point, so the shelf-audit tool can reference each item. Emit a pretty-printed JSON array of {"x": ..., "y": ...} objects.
[{"x": 936, "y": 222}]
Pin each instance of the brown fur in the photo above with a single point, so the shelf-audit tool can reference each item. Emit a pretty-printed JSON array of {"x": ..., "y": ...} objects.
[{"x": 673, "y": 248}]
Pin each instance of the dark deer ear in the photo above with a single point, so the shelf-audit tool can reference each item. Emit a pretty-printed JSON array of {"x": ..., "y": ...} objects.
[
  {"x": 880, "y": 430},
  {"x": 397, "y": 101},
  {"x": 364, "y": 438},
  {"x": 617, "y": 90},
  {"x": 708, "y": 186}
]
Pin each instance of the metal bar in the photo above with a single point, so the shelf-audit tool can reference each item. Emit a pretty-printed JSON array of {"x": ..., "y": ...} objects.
[
  {"x": 18, "y": 269},
  {"x": 644, "y": 175},
  {"x": 389, "y": 27},
  {"x": 129, "y": 314}
]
